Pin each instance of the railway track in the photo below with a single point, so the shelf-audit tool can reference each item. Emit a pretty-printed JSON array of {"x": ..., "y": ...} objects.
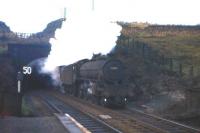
[
  {"x": 149, "y": 122},
  {"x": 91, "y": 123},
  {"x": 123, "y": 122},
  {"x": 158, "y": 123}
]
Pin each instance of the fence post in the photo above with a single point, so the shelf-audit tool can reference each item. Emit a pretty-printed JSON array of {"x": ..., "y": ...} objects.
[
  {"x": 198, "y": 71},
  {"x": 148, "y": 51},
  {"x": 180, "y": 69},
  {"x": 171, "y": 64},
  {"x": 143, "y": 50},
  {"x": 162, "y": 60},
  {"x": 191, "y": 71},
  {"x": 1, "y": 101},
  {"x": 128, "y": 41}
]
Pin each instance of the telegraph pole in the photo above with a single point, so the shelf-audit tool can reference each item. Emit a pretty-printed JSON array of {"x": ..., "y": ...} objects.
[
  {"x": 92, "y": 5},
  {"x": 65, "y": 10}
]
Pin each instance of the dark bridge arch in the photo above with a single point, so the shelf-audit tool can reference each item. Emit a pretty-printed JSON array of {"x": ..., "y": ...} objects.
[
  {"x": 37, "y": 79},
  {"x": 23, "y": 54}
]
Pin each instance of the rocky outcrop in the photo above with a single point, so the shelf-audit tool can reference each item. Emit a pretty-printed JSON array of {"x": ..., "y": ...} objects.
[
  {"x": 8, "y": 36},
  {"x": 49, "y": 31},
  {"x": 4, "y": 27},
  {"x": 53, "y": 26}
]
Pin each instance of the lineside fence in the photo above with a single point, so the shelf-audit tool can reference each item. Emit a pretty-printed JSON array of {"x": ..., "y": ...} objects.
[{"x": 184, "y": 67}]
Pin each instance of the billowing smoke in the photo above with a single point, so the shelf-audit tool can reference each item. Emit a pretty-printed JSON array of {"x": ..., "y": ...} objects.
[
  {"x": 37, "y": 68},
  {"x": 91, "y": 29},
  {"x": 83, "y": 34}
]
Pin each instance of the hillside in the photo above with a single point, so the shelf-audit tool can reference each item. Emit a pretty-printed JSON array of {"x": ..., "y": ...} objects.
[
  {"x": 171, "y": 40},
  {"x": 178, "y": 43},
  {"x": 163, "y": 67}
]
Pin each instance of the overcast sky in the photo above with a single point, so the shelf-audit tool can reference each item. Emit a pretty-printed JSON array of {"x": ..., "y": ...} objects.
[{"x": 33, "y": 15}]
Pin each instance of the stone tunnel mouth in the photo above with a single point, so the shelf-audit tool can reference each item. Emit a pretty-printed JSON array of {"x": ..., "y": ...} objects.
[{"x": 37, "y": 79}]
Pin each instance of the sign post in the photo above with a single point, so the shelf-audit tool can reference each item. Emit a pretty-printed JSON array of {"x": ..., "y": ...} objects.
[
  {"x": 18, "y": 96},
  {"x": 19, "y": 79}
]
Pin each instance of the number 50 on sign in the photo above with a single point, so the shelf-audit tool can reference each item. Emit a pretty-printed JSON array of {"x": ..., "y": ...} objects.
[{"x": 27, "y": 70}]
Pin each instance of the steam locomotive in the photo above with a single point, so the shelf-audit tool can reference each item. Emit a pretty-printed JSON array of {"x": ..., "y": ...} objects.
[{"x": 102, "y": 81}]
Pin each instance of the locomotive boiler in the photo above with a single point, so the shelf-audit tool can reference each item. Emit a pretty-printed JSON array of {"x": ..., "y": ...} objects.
[
  {"x": 106, "y": 70},
  {"x": 102, "y": 81}
]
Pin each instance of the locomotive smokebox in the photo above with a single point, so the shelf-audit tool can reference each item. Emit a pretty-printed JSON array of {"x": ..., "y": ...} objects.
[{"x": 107, "y": 70}]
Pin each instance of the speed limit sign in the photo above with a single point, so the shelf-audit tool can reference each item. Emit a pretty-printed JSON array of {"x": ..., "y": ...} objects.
[{"x": 27, "y": 70}]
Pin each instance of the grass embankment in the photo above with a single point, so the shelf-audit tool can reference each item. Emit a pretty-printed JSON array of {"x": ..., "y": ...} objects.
[
  {"x": 182, "y": 43},
  {"x": 161, "y": 61},
  {"x": 170, "y": 40}
]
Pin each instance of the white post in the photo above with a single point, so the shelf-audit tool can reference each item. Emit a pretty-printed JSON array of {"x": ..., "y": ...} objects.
[
  {"x": 18, "y": 86},
  {"x": 20, "y": 78}
]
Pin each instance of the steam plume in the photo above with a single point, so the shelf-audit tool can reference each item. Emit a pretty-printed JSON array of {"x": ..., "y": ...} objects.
[{"x": 82, "y": 34}]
